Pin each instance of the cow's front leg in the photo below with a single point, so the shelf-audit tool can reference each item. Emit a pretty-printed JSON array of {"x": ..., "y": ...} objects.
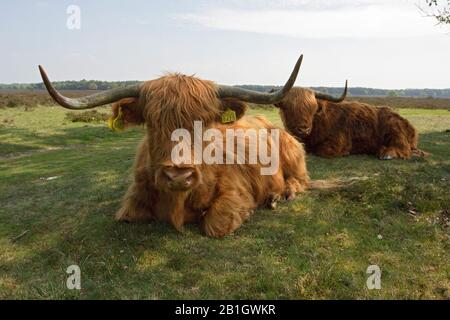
[
  {"x": 227, "y": 213},
  {"x": 137, "y": 205}
]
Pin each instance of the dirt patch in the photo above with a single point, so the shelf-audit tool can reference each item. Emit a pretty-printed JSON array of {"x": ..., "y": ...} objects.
[{"x": 16, "y": 155}]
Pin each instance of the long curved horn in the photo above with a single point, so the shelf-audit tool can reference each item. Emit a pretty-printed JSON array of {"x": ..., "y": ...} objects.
[
  {"x": 328, "y": 97},
  {"x": 91, "y": 101},
  {"x": 260, "y": 97}
]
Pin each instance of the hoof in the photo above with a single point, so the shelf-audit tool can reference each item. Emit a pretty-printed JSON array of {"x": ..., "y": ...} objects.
[
  {"x": 123, "y": 220},
  {"x": 290, "y": 196},
  {"x": 272, "y": 205},
  {"x": 272, "y": 200}
]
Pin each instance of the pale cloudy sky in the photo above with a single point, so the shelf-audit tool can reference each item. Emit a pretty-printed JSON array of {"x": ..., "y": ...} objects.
[{"x": 383, "y": 44}]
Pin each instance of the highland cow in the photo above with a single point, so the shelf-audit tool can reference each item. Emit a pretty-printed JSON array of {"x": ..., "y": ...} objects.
[
  {"x": 218, "y": 197},
  {"x": 329, "y": 127}
]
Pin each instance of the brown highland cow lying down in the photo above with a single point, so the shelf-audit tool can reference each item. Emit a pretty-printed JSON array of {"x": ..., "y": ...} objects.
[
  {"x": 217, "y": 196},
  {"x": 331, "y": 128}
]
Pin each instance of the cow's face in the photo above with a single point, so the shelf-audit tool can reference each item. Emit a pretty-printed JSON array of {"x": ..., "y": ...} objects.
[
  {"x": 297, "y": 110},
  {"x": 167, "y": 104}
]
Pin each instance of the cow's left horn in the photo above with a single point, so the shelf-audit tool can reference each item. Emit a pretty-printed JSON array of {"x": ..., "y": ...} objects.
[
  {"x": 260, "y": 97},
  {"x": 324, "y": 96},
  {"x": 91, "y": 101}
]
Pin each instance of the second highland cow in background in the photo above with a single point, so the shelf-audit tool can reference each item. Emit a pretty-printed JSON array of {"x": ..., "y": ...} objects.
[{"x": 331, "y": 128}]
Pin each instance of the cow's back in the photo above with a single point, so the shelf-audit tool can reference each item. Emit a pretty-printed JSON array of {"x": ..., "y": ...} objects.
[{"x": 350, "y": 125}]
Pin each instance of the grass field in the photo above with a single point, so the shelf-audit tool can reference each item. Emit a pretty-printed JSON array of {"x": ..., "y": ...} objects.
[{"x": 395, "y": 215}]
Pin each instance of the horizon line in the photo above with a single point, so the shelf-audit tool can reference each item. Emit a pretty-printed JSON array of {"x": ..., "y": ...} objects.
[{"x": 237, "y": 85}]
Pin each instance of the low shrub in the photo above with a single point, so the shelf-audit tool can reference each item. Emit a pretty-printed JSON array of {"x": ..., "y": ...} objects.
[{"x": 87, "y": 116}]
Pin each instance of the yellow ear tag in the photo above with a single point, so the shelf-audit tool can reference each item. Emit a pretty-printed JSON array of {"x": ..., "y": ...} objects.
[
  {"x": 117, "y": 123},
  {"x": 228, "y": 116}
]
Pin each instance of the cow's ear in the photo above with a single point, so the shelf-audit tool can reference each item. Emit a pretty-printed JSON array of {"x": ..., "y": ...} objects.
[
  {"x": 126, "y": 113},
  {"x": 278, "y": 105},
  {"x": 238, "y": 107},
  {"x": 319, "y": 107}
]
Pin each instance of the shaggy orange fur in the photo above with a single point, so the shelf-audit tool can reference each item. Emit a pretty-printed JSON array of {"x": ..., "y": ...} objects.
[
  {"x": 218, "y": 197},
  {"x": 331, "y": 129}
]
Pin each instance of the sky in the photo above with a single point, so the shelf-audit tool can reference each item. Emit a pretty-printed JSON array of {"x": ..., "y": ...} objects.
[{"x": 378, "y": 44}]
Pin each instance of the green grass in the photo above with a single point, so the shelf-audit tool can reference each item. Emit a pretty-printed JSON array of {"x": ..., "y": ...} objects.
[{"x": 316, "y": 247}]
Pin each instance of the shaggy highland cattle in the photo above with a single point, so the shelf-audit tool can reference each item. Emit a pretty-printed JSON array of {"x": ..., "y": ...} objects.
[
  {"x": 217, "y": 196},
  {"x": 330, "y": 127}
]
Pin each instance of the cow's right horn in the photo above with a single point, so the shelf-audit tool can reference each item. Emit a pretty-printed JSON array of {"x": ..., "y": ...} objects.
[
  {"x": 260, "y": 97},
  {"x": 91, "y": 101},
  {"x": 324, "y": 96}
]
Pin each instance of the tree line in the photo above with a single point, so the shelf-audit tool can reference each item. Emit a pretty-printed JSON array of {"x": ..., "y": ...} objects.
[
  {"x": 368, "y": 92},
  {"x": 69, "y": 85},
  {"x": 361, "y": 92}
]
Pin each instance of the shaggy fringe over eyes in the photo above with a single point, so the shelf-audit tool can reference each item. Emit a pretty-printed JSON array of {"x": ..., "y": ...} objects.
[
  {"x": 175, "y": 101},
  {"x": 300, "y": 101}
]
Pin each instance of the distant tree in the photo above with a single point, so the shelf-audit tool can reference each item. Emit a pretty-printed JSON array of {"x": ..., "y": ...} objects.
[
  {"x": 92, "y": 86},
  {"x": 440, "y": 10},
  {"x": 392, "y": 94}
]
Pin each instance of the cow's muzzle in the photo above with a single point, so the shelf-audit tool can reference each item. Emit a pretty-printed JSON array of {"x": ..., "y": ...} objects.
[
  {"x": 177, "y": 178},
  {"x": 303, "y": 131}
]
